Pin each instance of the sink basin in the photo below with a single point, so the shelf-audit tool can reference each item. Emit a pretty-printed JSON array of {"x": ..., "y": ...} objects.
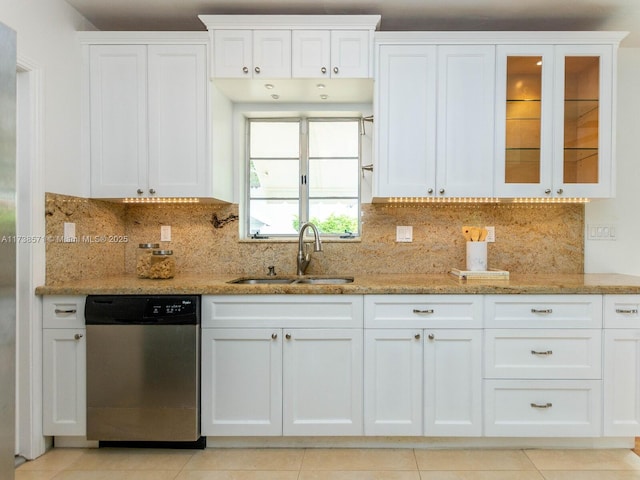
[
  {"x": 324, "y": 280},
  {"x": 261, "y": 281},
  {"x": 292, "y": 280}
]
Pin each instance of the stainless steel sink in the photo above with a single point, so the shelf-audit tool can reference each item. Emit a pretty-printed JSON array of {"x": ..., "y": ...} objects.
[
  {"x": 292, "y": 281},
  {"x": 261, "y": 281},
  {"x": 324, "y": 280}
]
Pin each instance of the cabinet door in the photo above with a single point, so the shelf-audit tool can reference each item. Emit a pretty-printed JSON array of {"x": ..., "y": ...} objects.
[
  {"x": 311, "y": 53},
  {"x": 350, "y": 54},
  {"x": 583, "y": 109},
  {"x": 118, "y": 131},
  {"x": 322, "y": 391},
  {"x": 524, "y": 121},
  {"x": 271, "y": 54},
  {"x": 241, "y": 382},
  {"x": 453, "y": 382},
  {"x": 64, "y": 395},
  {"x": 393, "y": 382},
  {"x": 622, "y": 382},
  {"x": 177, "y": 120},
  {"x": 232, "y": 54},
  {"x": 466, "y": 91},
  {"x": 405, "y": 112}
]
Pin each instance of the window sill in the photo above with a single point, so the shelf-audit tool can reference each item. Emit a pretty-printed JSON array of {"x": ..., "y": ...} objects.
[{"x": 295, "y": 240}]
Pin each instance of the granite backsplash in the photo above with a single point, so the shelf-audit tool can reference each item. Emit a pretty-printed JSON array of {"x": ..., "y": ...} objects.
[{"x": 530, "y": 238}]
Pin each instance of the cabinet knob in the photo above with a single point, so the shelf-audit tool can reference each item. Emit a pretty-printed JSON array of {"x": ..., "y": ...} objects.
[
  {"x": 431, "y": 336},
  {"x": 430, "y": 191},
  {"x": 547, "y": 191},
  {"x": 442, "y": 191},
  {"x": 323, "y": 70},
  {"x": 417, "y": 336},
  {"x": 274, "y": 336},
  {"x": 335, "y": 70},
  {"x": 152, "y": 191},
  {"x": 560, "y": 191},
  {"x": 78, "y": 336},
  {"x": 288, "y": 336},
  {"x": 245, "y": 70},
  {"x": 257, "y": 69},
  {"x": 140, "y": 191}
]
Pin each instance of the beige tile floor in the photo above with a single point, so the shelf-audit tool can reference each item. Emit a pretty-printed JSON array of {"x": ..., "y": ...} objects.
[{"x": 331, "y": 464}]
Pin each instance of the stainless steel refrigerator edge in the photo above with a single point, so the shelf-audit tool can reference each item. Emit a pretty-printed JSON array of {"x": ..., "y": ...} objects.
[{"x": 7, "y": 250}]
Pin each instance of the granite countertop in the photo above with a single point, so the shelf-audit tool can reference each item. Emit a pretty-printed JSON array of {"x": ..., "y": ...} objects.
[{"x": 362, "y": 284}]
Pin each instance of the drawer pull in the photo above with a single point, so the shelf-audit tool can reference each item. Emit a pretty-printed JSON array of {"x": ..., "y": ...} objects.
[
  {"x": 535, "y": 352},
  {"x": 60, "y": 311},
  {"x": 428, "y": 312},
  {"x": 629, "y": 311},
  {"x": 545, "y": 311},
  {"x": 545, "y": 405}
]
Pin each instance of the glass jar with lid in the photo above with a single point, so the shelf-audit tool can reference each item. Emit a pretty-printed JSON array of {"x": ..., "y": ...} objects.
[
  {"x": 143, "y": 258},
  {"x": 163, "y": 265}
]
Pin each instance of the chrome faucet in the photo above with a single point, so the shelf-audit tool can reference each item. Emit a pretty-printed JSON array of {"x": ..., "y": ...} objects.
[{"x": 304, "y": 256}]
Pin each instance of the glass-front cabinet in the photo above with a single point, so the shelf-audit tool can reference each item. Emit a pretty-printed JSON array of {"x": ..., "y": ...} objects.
[{"x": 554, "y": 121}]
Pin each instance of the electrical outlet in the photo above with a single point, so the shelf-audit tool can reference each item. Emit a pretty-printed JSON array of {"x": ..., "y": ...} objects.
[
  {"x": 404, "y": 234},
  {"x": 165, "y": 233},
  {"x": 601, "y": 232},
  {"x": 69, "y": 232},
  {"x": 491, "y": 234}
]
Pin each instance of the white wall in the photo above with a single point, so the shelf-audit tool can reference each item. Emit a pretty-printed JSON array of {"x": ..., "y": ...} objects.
[
  {"x": 47, "y": 38},
  {"x": 622, "y": 255}
]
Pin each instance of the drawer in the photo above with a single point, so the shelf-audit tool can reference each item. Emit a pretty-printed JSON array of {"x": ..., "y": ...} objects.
[
  {"x": 282, "y": 311},
  {"x": 622, "y": 311},
  {"x": 63, "y": 311},
  {"x": 538, "y": 354},
  {"x": 543, "y": 311},
  {"x": 543, "y": 408},
  {"x": 423, "y": 311}
]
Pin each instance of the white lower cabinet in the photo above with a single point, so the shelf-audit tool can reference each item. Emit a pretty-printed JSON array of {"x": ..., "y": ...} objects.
[
  {"x": 422, "y": 380},
  {"x": 453, "y": 382},
  {"x": 621, "y": 365},
  {"x": 543, "y": 408},
  {"x": 269, "y": 376},
  {"x": 543, "y": 366},
  {"x": 393, "y": 376},
  {"x": 241, "y": 381},
  {"x": 64, "y": 383}
]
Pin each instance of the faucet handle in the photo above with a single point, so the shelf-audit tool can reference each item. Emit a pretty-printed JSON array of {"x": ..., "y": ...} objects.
[{"x": 272, "y": 271}]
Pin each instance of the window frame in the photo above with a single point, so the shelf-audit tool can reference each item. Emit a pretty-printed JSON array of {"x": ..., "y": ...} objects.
[{"x": 303, "y": 172}]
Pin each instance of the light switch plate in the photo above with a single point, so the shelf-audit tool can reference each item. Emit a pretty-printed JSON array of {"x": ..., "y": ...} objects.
[
  {"x": 491, "y": 234},
  {"x": 404, "y": 234},
  {"x": 165, "y": 233},
  {"x": 69, "y": 232}
]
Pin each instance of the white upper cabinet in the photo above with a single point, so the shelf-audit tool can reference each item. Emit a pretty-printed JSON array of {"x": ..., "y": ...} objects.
[
  {"x": 291, "y": 46},
  {"x": 330, "y": 54},
  {"x": 434, "y": 108},
  {"x": 554, "y": 130},
  {"x": 147, "y": 106},
  {"x": 495, "y": 114},
  {"x": 405, "y": 121},
  {"x": 252, "y": 54}
]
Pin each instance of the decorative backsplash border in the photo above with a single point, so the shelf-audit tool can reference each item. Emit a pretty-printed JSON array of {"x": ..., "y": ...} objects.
[{"x": 530, "y": 238}]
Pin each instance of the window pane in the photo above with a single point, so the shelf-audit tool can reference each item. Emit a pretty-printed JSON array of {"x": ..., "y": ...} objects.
[
  {"x": 273, "y": 217},
  {"x": 334, "y": 139},
  {"x": 274, "y": 178},
  {"x": 274, "y": 139},
  {"x": 335, "y": 216},
  {"x": 333, "y": 178}
]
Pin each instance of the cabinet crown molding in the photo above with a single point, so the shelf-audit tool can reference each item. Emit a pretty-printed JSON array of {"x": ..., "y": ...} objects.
[
  {"x": 128, "y": 38},
  {"x": 503, "y": 37},
  {"x": 291, "y": 22}
]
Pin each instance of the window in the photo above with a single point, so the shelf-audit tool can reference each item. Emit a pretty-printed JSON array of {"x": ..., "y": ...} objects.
[{"x": 303, "y": 170}]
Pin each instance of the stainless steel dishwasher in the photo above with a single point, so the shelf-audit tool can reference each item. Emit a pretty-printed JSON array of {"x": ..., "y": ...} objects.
[{"x": 143, "y": 368}]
